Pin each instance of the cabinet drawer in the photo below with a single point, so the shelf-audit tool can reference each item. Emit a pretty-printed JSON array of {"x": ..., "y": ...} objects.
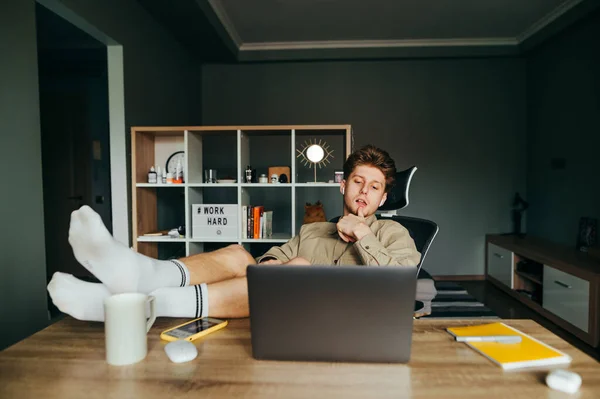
[
  {"x": 567, "y": 296},
  {"x": 500, "y": 264}
]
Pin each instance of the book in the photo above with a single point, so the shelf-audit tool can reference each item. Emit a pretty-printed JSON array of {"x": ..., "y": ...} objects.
[
  {"x": 256, "y": 222},
  {"x": 244, "y": 221},
  {"x": 257, "y": 212},
  {"x": 250, "y": 230},
  {"x": 268, "y": 224},
  {"x": 262, "y": 225},
  {"x": 485, "y": 332},
  {"x": 529, "y": 352}
]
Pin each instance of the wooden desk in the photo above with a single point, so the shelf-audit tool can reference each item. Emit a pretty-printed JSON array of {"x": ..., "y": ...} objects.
[{"x": 66, "y": 360}]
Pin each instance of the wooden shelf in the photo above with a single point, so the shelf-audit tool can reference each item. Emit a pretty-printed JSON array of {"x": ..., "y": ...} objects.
[
  {"x": 337, "y": 185},
  {"x": 529, "y": 276},
  {"x": 270, "y": 185},
  {"x": 200, "y": 240},
  {"x": 212, "y": 185},
  {"x": 564, "y": 257},
  {"x": 159, "y": 239},
  {"x": 275, "y": 238},
  {"x": 229, "y": 150},
  {"x": 574, "y": 307},
  {"x": 527, "y": 300},
  {"x": 152, "y": 185}
]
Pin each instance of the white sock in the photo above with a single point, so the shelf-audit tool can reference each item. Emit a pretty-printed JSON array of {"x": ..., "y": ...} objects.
[
  {"x": 120, "y": 268},
  {"x": 85, "y": 301},
  {"x": 80, "y": 299},
  {"x": 191, "y": 301}
]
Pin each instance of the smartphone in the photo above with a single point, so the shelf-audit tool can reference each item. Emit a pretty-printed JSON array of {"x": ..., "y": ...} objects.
[{"x": 193, "y": 329}]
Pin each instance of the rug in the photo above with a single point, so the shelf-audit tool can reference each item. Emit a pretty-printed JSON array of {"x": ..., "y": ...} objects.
[{"x": 454, "y": 302}]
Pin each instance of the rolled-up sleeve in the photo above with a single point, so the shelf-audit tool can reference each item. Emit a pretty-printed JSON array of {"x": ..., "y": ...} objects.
[{"x": 392, "y": 246}]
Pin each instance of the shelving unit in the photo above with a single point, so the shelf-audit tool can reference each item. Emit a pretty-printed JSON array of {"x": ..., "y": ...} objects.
[
  {"x": 228, "y": 149},
  {"x": 558, "y": 282}
]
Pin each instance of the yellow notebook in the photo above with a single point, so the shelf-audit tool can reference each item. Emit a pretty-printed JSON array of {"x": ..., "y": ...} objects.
[{"x": 528, "y": 353}]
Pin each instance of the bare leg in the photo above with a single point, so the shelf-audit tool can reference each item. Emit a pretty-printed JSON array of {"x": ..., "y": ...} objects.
[
  {"x": 223, "y": 264},
  {"x": 229, "y": 298}
]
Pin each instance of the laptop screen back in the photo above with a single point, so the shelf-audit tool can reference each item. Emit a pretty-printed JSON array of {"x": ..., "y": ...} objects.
[{"x": 331, "y": 313}]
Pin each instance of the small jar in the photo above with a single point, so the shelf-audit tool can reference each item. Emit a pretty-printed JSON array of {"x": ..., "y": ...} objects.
[
  {"x": 338, "y": 176},
  {"x": 263, "y": 178}
]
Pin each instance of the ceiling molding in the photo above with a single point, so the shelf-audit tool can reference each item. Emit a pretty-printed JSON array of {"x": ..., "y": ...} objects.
[
  {"x": 361, "y": 44},
  {"x": 569, "y": 15},
  {"x": 58, "y": 8},
  {"x": 219, "y": 20},
  {"x": 548, "y": 19},
  {"x": 226, "y": 22},
  {"x": 562, "y": 16},
  {"x": 366, "y": 53},
  {"x": 377, "y": 49}
]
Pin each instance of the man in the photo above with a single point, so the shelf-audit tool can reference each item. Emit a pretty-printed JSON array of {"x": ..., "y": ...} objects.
[{"x": 182, "y": 287}]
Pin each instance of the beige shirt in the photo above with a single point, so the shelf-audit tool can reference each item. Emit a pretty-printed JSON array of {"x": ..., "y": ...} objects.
[{"x": 390, "y": 244}]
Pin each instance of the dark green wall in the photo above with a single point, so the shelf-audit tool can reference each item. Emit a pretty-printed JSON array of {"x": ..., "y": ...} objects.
[
  {"x": 563, "y": 90},
  {"x": 161, "y": 87},
  {"x": 461, "y": 121},
  {"x": 23, "y": 307}
]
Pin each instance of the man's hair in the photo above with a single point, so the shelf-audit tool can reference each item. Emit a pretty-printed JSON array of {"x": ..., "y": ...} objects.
[{"x": 372, "y": 156}]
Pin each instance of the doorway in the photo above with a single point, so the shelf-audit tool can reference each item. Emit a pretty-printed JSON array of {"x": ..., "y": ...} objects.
[{"x": 74, "y": 119}]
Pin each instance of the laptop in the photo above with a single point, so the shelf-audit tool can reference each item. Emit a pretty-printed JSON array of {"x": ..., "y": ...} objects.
[{"x": 331, "y": 313}]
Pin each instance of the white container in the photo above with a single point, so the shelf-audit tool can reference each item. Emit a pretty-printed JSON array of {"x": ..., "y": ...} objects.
[
  {"x": 126, "y": 327},
  {"x": 215, "y": 222},
  {"x": 152, "y": 176}
]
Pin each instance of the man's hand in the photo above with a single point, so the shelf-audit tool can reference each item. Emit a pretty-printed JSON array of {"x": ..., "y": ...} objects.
[
  {"x": 352, "y": 228},
  {"x": 271, "y": 262},
  {"x": 298, "y": 261}
]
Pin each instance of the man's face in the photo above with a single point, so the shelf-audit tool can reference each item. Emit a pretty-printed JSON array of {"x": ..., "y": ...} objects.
[{"x": 364, "y": 188}]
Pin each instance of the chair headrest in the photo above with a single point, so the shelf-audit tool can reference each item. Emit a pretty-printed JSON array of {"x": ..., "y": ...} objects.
[{"x": 397, "y": 198}]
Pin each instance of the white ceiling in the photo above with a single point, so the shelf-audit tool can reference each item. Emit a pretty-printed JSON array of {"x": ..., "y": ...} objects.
[{"x": 280, "y": 29}]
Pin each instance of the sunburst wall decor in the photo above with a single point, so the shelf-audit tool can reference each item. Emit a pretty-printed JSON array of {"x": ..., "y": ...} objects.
[{"x": 313, "y": 154}]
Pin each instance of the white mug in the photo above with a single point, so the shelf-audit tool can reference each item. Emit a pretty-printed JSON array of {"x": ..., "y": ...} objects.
[{"x": 125, "y": 327}]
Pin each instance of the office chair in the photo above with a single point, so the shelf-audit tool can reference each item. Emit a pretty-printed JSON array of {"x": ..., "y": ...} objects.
[
  {"x": 422, "y": 231},
  {"x": 398, "y": 196}
]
